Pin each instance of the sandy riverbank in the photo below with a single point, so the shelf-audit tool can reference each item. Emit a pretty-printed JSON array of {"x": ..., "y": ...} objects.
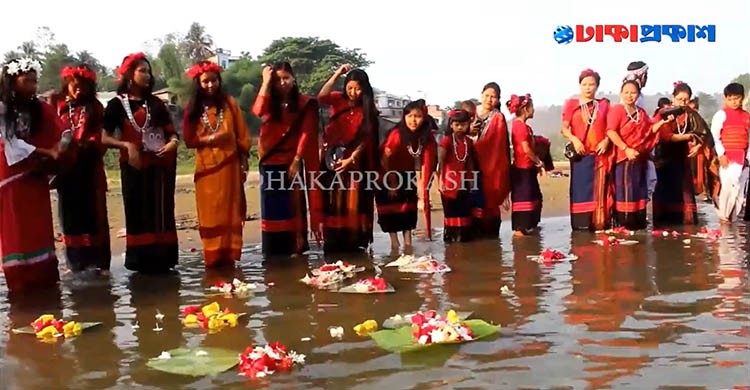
[{"x": 555, "y": 192}]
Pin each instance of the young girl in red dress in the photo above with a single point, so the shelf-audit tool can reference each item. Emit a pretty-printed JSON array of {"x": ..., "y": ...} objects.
[
  {"x": 526, "y": 195},
  {"x": 409, "y": 148},
  {"x": 456, "y": 169},
  {"x": 82, "y": 185}
]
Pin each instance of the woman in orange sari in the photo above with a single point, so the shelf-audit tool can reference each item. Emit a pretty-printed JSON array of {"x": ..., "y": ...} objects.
[
  {"x": 214, "y": 126},
  {"x": 288, "y": 151},
  {"x": 493, "y": 153}
]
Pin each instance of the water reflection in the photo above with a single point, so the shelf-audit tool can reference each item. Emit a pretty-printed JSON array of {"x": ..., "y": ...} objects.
[{"x": 616, "y": 317}]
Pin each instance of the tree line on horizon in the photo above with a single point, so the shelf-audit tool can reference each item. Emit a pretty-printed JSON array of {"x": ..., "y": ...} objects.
[{"x": 313, "y": 59}]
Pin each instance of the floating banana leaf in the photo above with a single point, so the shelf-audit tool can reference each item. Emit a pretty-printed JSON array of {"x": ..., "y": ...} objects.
[
  {"x": 30, "y": 330},
  {"x": 196, "y": 361}
]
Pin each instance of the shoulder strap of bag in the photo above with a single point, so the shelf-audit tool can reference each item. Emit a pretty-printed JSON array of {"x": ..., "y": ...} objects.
[{"x": 293, "y": 127}]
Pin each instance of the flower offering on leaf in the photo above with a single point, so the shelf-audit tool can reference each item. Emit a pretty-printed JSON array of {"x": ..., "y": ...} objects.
[
  {"x": 431, "y": 328},
  {"x": 258, "y": 362},
  {"x": 337, "y": 266},
  {"x": 371, "y": 284},
  {"x": 47, "y": 327},
  {"x": 209, "y": 317},
  {"x": 237, "y": 287},
  {"x": 330, "y": 275},
  {"x": 711, "y": 234},
  {"x": 551, "y": 254},
  {"x": 366, "y": 328}
]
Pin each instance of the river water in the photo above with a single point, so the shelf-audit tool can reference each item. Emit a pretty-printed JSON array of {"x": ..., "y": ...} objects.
[{"x": 657, "y": 314}]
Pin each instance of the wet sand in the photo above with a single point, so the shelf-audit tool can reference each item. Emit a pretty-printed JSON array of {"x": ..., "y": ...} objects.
[{"x": 555, "y": 191}]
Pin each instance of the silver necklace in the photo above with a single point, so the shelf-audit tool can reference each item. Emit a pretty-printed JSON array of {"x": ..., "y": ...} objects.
[
  {"x": 146, "y": 124},
  {"x": 682, "y": 130},
  {"x": 632, "y": 118},
  {"x": 455, "y": 149},
  {"x": 80, "y": 117},
  {"x": 207, "y": 124},
  {"x": 416, "y": 153},
  {"x": 590, "y": 117}
]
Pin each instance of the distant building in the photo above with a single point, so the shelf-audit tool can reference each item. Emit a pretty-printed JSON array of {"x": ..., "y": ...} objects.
[
  {"x": 390, "y": 106},
  {"x": 223, "y": 58}
]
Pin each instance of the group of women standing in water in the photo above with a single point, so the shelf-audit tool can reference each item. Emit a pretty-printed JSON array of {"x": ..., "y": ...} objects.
[{"x": 325, "y": 188}]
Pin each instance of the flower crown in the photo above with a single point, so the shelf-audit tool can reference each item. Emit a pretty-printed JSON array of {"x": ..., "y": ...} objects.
[
  {"x": 23, "y": 65},
  {"x": 129, "y": 61},
  {"x": 78, "y": 71},
  {"x": 202, "y": 67},
  {"x": 517, "y": 102}
]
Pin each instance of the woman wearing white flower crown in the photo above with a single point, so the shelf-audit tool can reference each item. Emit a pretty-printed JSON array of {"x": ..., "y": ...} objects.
[
  {"x": 29, "y": 139},
  {"x": 148, "y": 144}
]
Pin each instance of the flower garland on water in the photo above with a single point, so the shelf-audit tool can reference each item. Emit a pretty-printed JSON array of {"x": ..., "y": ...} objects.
[
  {"x": 258, "y": 362},
  {"x": 431, "y": 328},
  {"x": 49, "y": 328},
  {"x": 209, "y": 317},
  {"x": 341, "y": 266},
  {"x": 236, "y": 286}
]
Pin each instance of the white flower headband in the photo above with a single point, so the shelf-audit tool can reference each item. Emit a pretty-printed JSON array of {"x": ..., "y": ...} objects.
[{"x": 23, "y": 65}]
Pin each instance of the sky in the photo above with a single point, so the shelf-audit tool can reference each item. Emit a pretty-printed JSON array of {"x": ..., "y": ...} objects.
[{"x": 448, "y": 51}]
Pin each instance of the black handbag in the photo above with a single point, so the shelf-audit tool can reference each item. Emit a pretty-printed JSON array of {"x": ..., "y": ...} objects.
[{"x": 570, "y": 150}]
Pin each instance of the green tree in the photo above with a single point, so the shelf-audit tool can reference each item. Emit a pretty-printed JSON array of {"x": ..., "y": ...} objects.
[
  {"x": 54, "y": 60},
  {"x": 242, "y": 80},
  {"x": 312, "y": 58},
  {"x": 197, "y": 44}
]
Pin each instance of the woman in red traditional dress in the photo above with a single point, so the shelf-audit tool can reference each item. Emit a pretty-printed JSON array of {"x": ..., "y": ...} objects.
[
  {"x": 526, "y": 196},
  {"x": 493, "y": 150},
  {"x": 140, "y": 125},
  {"x": 634, "y": 135},
  {"x": 584, "y": 124},
  {"x": 681, "y": 140},
  {"x": 456, "y": 169},
  {"x": 288, "y": 150},
  {"x": 410, "y": 147},
  {"x": 82, "y": 184},
  {"x": 349, "y": 158},
  {"x": 29, "y": 134},
  {"x": 214, "y": 126}
]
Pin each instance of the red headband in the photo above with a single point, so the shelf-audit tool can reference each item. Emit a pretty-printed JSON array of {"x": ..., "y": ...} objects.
[
  {"x": 128, "y": 62},
  {"x": 78, "y": 71},
  {"x": 589, "y": 73},
  {"x": 202, "y": 67},
  {"x": 517, "y": 102},
  {"x": 676, "y": 83},
  {"x": 453, "y": 113}
]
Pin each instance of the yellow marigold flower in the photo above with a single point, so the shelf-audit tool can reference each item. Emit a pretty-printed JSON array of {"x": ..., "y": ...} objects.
[
  {"x": 49, "y": 331},
  {"x": 230, "y": 319},
  {"x": 190, "y": 320},
  {"x": 452, "y": 317},
  {"x": 366, "y": 327},
  {"x": 210, "y": 310},
  {"x": 72, "y": 328}
]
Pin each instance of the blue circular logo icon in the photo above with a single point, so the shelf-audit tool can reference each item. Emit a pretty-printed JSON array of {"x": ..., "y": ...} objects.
[{"x": 563, "y": 35}]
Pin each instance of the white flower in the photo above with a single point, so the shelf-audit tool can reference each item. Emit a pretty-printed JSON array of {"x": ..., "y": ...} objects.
[
  {"x": 12, "y": 68},
  {"x": 336, "y": 331},
  {"x": 422, "y": 339},
  {"x": 297, "y": 358},
  {"x": 201, "y": 353},
  {"x": 164, "y": 356}
]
